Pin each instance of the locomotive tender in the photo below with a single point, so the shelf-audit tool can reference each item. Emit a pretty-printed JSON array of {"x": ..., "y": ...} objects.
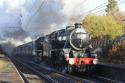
[{"x": 66, "y": 49}]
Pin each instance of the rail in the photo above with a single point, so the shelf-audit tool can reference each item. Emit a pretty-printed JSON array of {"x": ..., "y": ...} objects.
[
  {"x": 112, "y": 71},
  {"x": 35, "y": 71},
  {"x": 21, "y": 74}
]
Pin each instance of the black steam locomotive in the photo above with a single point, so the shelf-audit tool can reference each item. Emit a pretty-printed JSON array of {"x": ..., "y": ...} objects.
[{"x": 66, "y": 49}]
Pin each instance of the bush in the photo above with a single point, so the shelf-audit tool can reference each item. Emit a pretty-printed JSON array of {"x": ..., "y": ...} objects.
[{"x": 102, "y": 26}]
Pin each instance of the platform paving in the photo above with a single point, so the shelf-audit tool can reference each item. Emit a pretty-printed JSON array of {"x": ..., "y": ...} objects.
[{"x": 8, "y": 71}]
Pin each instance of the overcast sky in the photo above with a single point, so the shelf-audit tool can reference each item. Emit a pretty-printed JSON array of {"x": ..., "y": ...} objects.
[{"x": 10, "y": 23}]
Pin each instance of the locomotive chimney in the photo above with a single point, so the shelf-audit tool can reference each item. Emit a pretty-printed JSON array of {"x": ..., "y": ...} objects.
[{"x": 78, "y": 25}]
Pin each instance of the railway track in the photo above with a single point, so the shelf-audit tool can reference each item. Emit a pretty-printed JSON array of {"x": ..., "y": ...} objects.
[
  {"x": 97, "y": 78},
  {"x": 89, "y": 77},
  {"x": 11, "y": 73},
  {"x": 21, "y": 73},
  {"x": 23, "y": 77},
  {"x": 59, "y": 77},
  {"x": 29, "y": 74},
  {"x": 50, "y": 76}
]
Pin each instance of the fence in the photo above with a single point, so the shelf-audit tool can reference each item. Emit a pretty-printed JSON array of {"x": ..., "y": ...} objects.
[{"x": 101, "y": 46}]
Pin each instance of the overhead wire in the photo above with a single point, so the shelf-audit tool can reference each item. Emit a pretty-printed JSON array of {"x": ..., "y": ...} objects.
[
  {"x": 104, "y": 8},
  {"x": 99, "y": 7},
  {"x": 90, "y": 11},
  {"x": 35, "y": 12}
]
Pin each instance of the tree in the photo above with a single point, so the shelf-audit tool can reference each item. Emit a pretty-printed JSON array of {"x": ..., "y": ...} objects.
[
  {"x": 112, "y": 7},
  {"x": 102, "y": 26}
]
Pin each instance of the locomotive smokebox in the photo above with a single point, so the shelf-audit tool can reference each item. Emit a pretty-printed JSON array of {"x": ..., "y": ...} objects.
[{"x": 78, "y": 25}]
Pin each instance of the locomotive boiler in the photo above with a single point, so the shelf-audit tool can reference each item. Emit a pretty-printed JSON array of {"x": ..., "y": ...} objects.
[{"x": 66, "y": 49}]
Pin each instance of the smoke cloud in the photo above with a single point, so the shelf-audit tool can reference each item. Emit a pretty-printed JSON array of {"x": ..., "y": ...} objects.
[
  {"x": 21, "y": 22},
  {"x": 44, "y": 16},
  {"x": 10, "y": 22}
]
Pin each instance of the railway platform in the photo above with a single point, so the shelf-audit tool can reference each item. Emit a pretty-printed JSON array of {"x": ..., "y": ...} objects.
[{"x": 8, "y": 71}]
